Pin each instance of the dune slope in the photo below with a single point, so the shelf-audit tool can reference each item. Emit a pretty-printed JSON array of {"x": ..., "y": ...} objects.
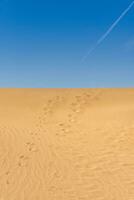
[{"x": 66, "y": 144}]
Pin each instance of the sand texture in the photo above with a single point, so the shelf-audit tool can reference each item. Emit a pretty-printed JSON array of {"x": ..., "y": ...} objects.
[{"x": 66, "y": 144}]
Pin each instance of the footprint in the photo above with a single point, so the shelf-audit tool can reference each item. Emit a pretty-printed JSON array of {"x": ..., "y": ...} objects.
[
  {"x": 7, "y": 173},
  {"x": 31, "y": 147},
  {"x": 71, "y": 118},
  {"x": 64, "y": 129},
  {"x": 22, "y": 160},
  {"x": 7, "y": 177},
  {"x": 7, "y": 182}
]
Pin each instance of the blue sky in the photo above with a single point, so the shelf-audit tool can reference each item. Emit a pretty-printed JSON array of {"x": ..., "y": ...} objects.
[{"x": 42, "y": 43}]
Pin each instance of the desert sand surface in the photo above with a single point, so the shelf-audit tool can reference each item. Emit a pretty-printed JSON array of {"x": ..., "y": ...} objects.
[{"x": 66, "y": 144}]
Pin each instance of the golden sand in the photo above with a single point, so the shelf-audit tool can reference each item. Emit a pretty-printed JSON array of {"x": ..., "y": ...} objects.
[{"x": 66, "y": 144}]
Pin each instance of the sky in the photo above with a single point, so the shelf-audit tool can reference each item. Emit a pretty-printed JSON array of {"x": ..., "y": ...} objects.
[{"x": 42, "y": 44}]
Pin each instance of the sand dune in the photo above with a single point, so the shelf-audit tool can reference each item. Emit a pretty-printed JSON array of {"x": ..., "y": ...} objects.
[{"x": 66, "y": 144}]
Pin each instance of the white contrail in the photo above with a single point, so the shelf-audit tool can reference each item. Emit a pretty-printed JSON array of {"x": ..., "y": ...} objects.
[{"x": 108, "y": 31}]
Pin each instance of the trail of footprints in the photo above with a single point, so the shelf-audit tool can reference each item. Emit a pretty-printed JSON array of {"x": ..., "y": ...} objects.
[
  {"x": 30, "y": 147},
  {"x": 76, "y": 107},
  {"x": 47, "y": 111},
  {"x": 81, "y": 102},
  {"x": 22, "y": 160}
]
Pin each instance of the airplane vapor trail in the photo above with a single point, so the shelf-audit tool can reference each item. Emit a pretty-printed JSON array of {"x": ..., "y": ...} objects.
[{"x": 109, "y": 30}]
